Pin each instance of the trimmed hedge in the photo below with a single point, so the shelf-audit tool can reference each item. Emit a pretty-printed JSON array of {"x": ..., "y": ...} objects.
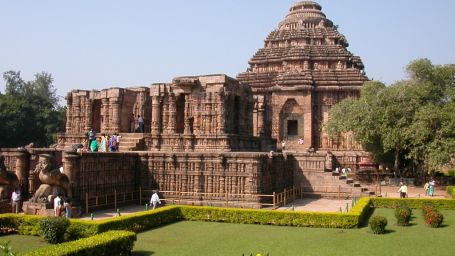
[
  {"x": 413, "y": 203},
  {"x": 378, "y": 224},
  {"x": 23, "y": 224},
  {"x": 267, "y": 217},
  {"x": 451, "y": 191},
  {"x": 108, "y": 243}
]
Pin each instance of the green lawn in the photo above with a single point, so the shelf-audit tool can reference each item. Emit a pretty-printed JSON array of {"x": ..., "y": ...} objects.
[
  {"x": 24, "y": 243},
  {"x": 210, "y": 238},
  {"x": 206, "y": 238}
]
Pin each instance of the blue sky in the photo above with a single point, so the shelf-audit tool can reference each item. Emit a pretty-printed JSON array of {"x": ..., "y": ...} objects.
[{"x": 99, "y": 44}]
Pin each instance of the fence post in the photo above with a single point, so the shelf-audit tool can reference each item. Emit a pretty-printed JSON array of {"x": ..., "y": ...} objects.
[
  {"x": 293, "y": 193},
  {"x": 86, "y": 203},
  {"x": 284, "y": 201},
  {"x": 115, "y": 198},
  {"x": 274, "y": 200},
  {"x": 140, "y": 195}
]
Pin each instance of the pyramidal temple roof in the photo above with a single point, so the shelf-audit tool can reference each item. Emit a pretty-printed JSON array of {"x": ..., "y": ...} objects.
[{"x": 305, "y": 50}]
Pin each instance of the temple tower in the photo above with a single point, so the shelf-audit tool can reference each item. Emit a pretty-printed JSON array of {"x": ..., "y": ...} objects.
[{"x": 303, "y": 69}]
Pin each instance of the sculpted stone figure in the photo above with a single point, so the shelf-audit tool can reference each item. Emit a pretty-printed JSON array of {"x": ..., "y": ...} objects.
[
  {"x": 53, "y": 181},
  {"x": 8, "y": 180}
]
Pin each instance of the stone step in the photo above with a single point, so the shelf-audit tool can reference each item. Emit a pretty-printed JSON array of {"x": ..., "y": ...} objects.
[
  {"x": 349, "y": 181},
  {"x": 342, "y": 177},
  {"x": 356, "y": 184}
]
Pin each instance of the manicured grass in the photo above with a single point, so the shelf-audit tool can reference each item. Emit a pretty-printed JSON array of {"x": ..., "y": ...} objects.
[
  {"x": 207, "y": 238},
  {"x": 23, "y": 244}
]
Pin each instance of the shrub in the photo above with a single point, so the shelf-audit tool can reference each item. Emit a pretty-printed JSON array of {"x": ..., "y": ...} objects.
[
  {"x": 378, "y": 224},
  {"x": 104, "y": 244},
  {"x": 52, "y": 229},
  {"x": 434, "y": 219},
  {"x": 403, "y": 214}
]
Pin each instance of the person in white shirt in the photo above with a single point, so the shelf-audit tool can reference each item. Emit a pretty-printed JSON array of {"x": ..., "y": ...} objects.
[
  {"x": 155, "y": 200},
  {"x": 16, "y": 200},
  {"x": 57, "y": 201},
  {"x": 403, "y": 190}
]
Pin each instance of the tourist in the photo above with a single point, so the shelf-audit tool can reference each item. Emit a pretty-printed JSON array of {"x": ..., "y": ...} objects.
[
  {"x": 140, "y": 122},
  {"x": 426, "y": 187},
  {"x": 67, "y": 206},
  {"x": 132, "y": 123},
  {"x": 57, "y": 201},
  {"x": 431, "y": 187},
  {"x": 91, "y": 136},
  {"x": 300, "y": 141},
  {"x": 117, "y": 139},
  {"x": 113, "y": 143},
  {"x": 16, "y": 200},
  {"x": 94, "y": 146},
  {"x": 403, "y": 190},
  {"x": 60, "y": 209},
  {"x": 103, "y": 143},
  {"x": 155, "y": 200}
]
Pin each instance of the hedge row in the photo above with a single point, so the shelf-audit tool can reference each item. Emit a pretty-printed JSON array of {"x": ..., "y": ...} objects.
[
  {"x": 451, "y": 191},
  {"x": 414, "y": 203},
  {"x": 23, "y": 224},
  {"x": 108, "y": 243}
]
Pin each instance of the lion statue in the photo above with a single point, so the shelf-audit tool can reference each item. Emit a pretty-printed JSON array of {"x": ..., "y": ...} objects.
[
  {"x": 8, "y": 180},
  {"x": 53, "y": 182}
]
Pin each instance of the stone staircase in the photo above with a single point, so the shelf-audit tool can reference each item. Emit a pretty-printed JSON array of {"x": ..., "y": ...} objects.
[
  {"x": 329, "y": 184},
  {"x": 131, "y": 142}
]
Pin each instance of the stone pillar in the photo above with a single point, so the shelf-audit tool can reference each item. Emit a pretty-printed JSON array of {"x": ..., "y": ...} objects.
[
  {"x": 187, "y": 122},
  {"x": 105, "y": 114},
  {"x": 22, "y": 169},
  {"x": 156, "y": 120},
  {"x": 172, "y": 114},
  {"x": 260, "y": 119},
  {"x": 69, "y": 100},
  {"x": 221, "y": 116},
  {"x": 71, "y": 166},
  {"x": 115, "y": 125},
  {"x": 88, "y": 114}
]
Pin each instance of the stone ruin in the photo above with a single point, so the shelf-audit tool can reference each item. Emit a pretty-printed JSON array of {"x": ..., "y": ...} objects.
[{"x": 211, "y": 137}]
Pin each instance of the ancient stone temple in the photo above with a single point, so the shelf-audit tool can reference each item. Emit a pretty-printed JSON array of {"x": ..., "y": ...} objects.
[
  {"x": 303, "y": 69},
  {"x": 212, "y": 139}
]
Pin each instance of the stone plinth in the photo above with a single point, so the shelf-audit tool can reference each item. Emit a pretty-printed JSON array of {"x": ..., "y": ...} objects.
[{"x": 43, "y": 209}]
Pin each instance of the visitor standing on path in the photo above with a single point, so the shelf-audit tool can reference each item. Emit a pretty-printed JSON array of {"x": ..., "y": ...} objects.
[
  {"x": 283, "y": 145},
  {"x": 403, "y": 190},
  {"x": 57, "y": 201},
  {"x": 426, "y": 187},
  {"x": 155, "y": 200},
  {"x": 431, "y": 187},
  {"x": 16, "y": 200}
]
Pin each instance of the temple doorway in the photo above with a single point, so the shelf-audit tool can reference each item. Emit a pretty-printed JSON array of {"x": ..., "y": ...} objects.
[
  {"x": 293, "y": 128},
  {"x": 180, "y": 118}
]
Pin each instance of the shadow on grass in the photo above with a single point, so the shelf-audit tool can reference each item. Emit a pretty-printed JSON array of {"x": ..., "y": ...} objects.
[
  {"x": 389, "y": 231},
  {"x": 142, "y": 253},
  {"x": 364, "y": 222}
]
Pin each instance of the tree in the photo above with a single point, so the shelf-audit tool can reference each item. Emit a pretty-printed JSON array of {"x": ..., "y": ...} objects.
[
  {"x": 29, "y": 111},
  {"x": 412, "y": 120}
]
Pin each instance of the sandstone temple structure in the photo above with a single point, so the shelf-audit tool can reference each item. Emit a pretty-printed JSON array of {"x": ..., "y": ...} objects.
[
  {"x": 215, "y": 139},
  {"x": 303, "y": 69}
]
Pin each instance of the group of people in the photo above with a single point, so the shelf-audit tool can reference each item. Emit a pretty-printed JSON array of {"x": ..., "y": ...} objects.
[
  {"x": 343, "y": 171},
  {"x": 107, "y": 143},
  {"x": 62, "y": 207},
  {"x": 430, "y": 187}
]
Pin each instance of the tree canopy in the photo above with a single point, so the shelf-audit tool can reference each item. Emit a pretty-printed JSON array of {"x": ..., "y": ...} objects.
[
  {"x": 29, "y": 111},
  {"x": 409, "y": 124}
]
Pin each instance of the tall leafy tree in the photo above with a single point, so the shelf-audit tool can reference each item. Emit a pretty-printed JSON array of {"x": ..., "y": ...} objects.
[
  {"x": 29, "y": 111},
  {"x": 409, "y": 124}
]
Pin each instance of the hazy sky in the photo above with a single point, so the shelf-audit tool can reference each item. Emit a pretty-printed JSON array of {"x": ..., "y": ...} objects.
[{"x": 90, "y": 44}]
